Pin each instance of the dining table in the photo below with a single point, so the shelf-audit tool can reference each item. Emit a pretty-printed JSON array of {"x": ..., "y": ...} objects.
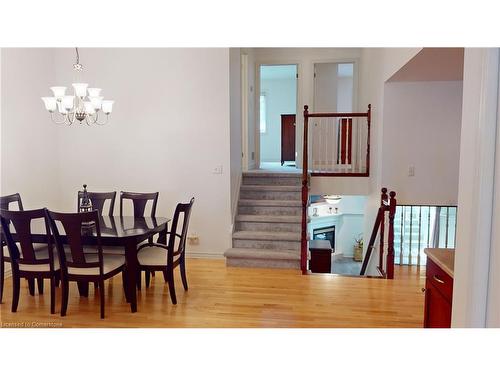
[{"x": 117, "y": 231}]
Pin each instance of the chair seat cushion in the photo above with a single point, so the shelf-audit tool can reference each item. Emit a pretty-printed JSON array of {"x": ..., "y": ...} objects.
[
  {"x": 110, "y": 263},
  {"x": 152, "y": 256},
  {"x": 113, "y": 250},
  {"x": 40, "y": 255}
]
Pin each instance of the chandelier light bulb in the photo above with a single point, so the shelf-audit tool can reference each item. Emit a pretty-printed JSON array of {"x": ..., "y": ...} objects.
[
  {"x": 58, "y": 91},
  {"x": 50, "y": 103},
  {"x": 94, "y": 92}
]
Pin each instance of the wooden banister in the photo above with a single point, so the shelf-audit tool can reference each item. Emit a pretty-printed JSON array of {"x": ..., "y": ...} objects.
[
  {"x": 387, "y": 204},
  {"x": 305, "y": 194}
]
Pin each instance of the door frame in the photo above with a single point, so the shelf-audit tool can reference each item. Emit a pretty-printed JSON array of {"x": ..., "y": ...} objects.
[
  {"x": 269, "y": 62},
  {"x": 244, "y": 112},
  {"x": 355, "y": 91}
]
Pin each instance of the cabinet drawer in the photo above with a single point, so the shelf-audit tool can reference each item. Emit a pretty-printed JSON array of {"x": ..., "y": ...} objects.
[{"x": 439, "y": 279}]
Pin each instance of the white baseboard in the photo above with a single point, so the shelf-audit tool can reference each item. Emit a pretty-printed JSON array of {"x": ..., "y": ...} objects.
[{"x": 204, "y": 255}]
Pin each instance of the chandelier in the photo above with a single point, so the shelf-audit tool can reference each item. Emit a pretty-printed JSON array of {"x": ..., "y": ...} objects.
[{"x": 85, "y": 105}]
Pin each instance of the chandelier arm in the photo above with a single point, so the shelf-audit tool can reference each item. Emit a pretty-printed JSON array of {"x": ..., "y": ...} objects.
[
  {"x": 54, "y": 119},
  {"x": 92, "y": 118},
  {"x": 71, "y": 120},
  {"x": 102, "y": 123}
]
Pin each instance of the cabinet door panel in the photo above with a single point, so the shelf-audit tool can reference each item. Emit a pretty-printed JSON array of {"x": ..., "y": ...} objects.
[{"x": 437, "y": 308}]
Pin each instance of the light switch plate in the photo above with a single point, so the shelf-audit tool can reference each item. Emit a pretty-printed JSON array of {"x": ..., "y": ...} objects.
[
  {"x": 217, "y": 169},
  {"x": 411, "y": 171}
]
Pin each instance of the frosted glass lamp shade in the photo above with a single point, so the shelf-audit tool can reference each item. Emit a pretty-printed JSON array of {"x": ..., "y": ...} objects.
[
  {"x": 50, "y": 103},
  {"x": 96, "y": 102},
  {"x": 80, "y": 89},
  {"x": 94, "y": 92},
  {"x": 68, "y": 102},
  {"x": 61, "y": 109},
  {"x": 107, "y": 106},
  {"x": 89, "y": 108},
  {"x": 58, "y": 91}
]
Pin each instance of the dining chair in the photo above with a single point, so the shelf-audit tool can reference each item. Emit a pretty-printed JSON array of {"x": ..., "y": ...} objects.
[
  {"x": 161, "y": 257},
  {"x": 139, "y": 201},
  {"x": 98, "y": 200},
  {"x": 77, "y": 265},
  {"x": 6, "y": 204},
  {"x": 26, "y": 262}
]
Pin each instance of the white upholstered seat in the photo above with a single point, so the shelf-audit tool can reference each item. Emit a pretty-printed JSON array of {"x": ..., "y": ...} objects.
[
  {"x": 110, "y": 263},
  {"x": 152, "y": 256},
  {"x": 40, "y": 255}
]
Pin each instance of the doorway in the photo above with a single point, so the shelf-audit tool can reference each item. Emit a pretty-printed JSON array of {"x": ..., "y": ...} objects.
[{"x": 277, "y": 116}]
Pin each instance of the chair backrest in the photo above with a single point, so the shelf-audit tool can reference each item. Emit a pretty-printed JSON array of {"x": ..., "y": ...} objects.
[
  {"x": 185, "y": 210},
  {"x": 98, "y": 200},
  {"x": 139, "y": 200},
  {"x": 21, "y": 222},
  {"x": 74, "y": 224},
  {"x": 6, "y": 200}
]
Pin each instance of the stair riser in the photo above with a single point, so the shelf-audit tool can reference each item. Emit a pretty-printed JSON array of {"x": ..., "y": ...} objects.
[
  {"x": 278, "y": 195},
  {"x": 270, "y": 227},
  {"x": 266, "y": 244},
  {"x": 268, "y": 210},
  {"x": 281, "y": 181},
  {"x": 262, "y": 263}
]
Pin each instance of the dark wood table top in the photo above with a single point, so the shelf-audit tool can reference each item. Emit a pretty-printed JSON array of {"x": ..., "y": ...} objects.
[{"x": 112, "y": 227}]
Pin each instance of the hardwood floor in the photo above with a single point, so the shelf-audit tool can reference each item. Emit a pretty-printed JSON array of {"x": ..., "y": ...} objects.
[{"x": 236, "y": 297}]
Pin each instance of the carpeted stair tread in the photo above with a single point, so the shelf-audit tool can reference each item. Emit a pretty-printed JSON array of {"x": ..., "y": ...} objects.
[
  {"x": 269, "y": 218},
  {"x": 270, "y": 202},
  {"x": 271, "y": 188},
  {"x": 262, "y": 254},
  {"x": 266, "y": 236}
]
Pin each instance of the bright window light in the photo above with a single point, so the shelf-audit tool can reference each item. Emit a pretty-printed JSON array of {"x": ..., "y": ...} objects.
[{"x": 263, "y": 123}]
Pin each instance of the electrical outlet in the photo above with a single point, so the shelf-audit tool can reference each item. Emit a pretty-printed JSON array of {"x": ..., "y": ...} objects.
[
  {"x": 217, "y": 169},
  {"x": 193, "y": 240},
  {"x": 411, "y": 171}
]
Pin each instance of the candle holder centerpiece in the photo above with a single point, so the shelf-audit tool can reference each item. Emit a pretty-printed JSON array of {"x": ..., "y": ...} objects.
[{"x": 86, "y": 206}]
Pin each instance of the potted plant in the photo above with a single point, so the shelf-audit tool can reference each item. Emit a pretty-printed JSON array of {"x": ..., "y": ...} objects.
[{"x": 358, "y": 248}]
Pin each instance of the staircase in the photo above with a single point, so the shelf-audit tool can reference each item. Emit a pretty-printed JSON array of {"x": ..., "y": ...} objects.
[{"x": 268, "y": 224}]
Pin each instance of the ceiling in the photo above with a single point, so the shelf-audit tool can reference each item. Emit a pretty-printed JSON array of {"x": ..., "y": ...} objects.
[
  {"x": 433, "y": 64},
  {"x": 278, "y": 71}
]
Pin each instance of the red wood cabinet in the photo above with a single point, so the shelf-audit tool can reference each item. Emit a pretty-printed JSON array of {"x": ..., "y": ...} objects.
[
  {"x": 287, "y": 138},
  {"x": 438, "y": 297}
]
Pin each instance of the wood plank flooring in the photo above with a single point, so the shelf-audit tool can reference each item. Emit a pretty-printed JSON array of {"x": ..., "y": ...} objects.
[{"x": 236, "y": 297}]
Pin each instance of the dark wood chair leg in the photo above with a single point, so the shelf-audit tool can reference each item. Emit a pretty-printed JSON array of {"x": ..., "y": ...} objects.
[
  {"x": 171, "y": 286},
  {"x": 165, "y": 276},
  {"x": 153, "y": 273},
  {"x": 39, "y": 282},
  {"x": 125, "y": 285},
  {"x": 2, "y": 276},
  {"x": 96, "y": 286},
  {"x": 83, "y": 288},
  {"x": 148, "y": 278},
  {"x": 182, "y": 267},
  {"x": 53, "y": 295},
  {"x": 16, "y": 286},
  {"x": 139, "y": 280},
  {"x": 101, "y": 294},
  {"x": 58, "y": 279},
  {"x": 65, "y": 295},
  {"x": 31, "y": 286}
]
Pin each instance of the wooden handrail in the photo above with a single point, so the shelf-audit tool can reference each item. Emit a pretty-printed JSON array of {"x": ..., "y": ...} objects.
[{"x": 387, "y": 204}]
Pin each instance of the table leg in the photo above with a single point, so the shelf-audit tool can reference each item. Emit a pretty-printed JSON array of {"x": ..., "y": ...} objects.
[{"x": 131, "y": 258}]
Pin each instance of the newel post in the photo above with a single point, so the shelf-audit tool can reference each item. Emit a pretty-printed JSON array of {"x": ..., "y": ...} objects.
[
  {"x": 305, "y": 194},
  {"x": 383, "y": 200},
  {"x": 390, "y": 239}
]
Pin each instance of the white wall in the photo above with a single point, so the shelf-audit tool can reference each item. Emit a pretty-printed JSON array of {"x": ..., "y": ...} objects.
[
  {"x": 28, "y": 138},
  {"x": 235, "y": 126},
  {"x": 422, "y": 122},
  {"x": 280, "y": 99},
  {"x": 169, "y": 129}
]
